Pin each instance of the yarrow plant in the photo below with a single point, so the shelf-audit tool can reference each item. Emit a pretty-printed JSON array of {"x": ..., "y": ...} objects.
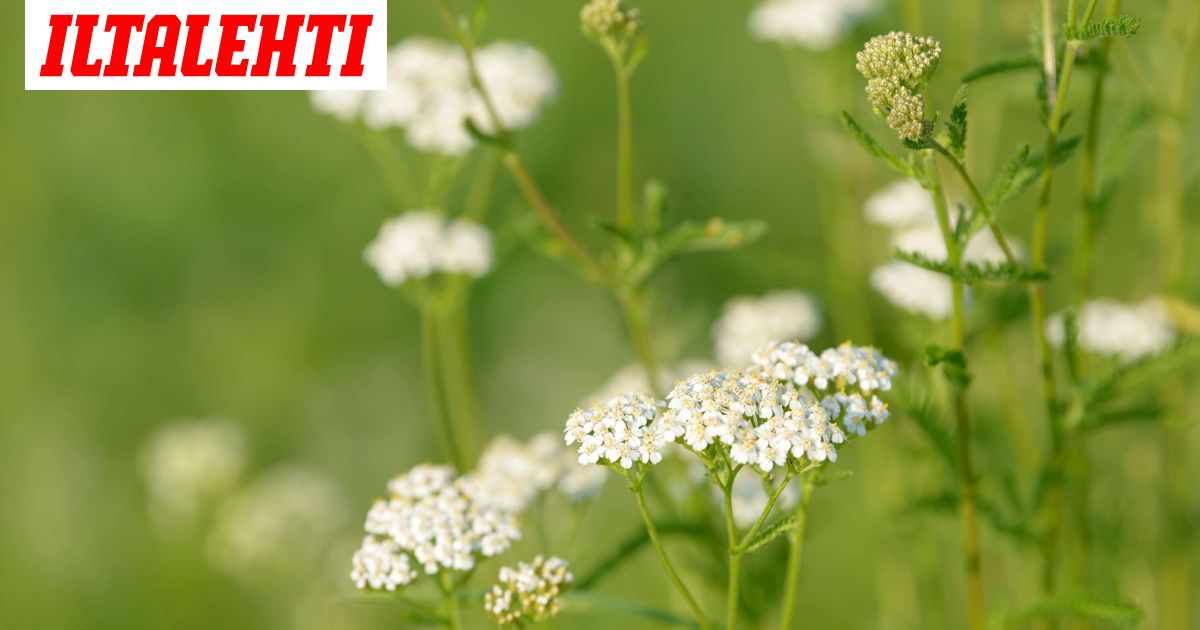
[
  {"x": 898, "y": 67},
  {"x": 783, "y": 416}
]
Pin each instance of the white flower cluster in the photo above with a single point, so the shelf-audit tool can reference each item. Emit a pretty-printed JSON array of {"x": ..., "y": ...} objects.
[
  {"x": 790, "y": 407},
  {"x": 430, "y": 94},
  {"x": 511, "y": 474},
  {"x": 812, "y": 24},
  {"x": 907, "y": 208},
  {"x": 897, "y": 67},
  {"x": 431, "y": 519},
  {"x": 620, "y": 431},
  {"x": 421, "y": 243},
  {"x": 1111, "y": 328},
  {"x": 529, "y": 592},
  {"x": 277, "y": 525},
  {"x": 748, "y": 322},
  {"x": 188, "y": 463}
]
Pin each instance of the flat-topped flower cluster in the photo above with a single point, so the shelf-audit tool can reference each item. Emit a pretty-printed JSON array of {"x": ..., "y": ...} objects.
[
  {"x": 790, "y": 408},
  {"x": 421, "y": 243},
  {"x": 434, "y": 520}
]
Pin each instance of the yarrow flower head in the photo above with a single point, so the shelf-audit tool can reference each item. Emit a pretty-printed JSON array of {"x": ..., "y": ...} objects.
[
  {"x": 422, "y": 243},
  {"x": 749, "y": 322},
  {"x": 609, "y": 18},
  {"x": 189, "y": 464},
  {"x": 529, "y": 592},
  {"x": 430, "y": 94},
  {"x": 897, "y": 67},
  {"x": 812, "y": 24},
  {"x": 1111, "y": 328},
  {"x": 432, "y": 520},
  {"x": 622, "y": 431}
]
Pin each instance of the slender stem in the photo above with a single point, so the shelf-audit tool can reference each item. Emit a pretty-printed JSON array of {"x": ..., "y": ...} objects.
[
  {"x": 735, "y": 557},
  {"x": 391, "y": 164},
  {"x": 980, "y": 202},
  {"x": 1049, "y": 65},
  {"x": 512, "y": 160},
  {"x": 479, "y": 197},
  {"x": 625, "y": 218},
  {"x": 967, "y": 502},
  {"x": 652, "y": 531},
  {"x": 434, "y": 387},
  {"x": 459, "y": 378},
  {"x": 449, "y": 597},
  {"x": 796, "y": 553}
]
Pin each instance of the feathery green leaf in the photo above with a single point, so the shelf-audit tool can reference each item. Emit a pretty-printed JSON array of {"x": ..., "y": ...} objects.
[
  {"x": 894, "y": 161},
  {"x": 1143, "y": 372},
  {"x": 770, "y": 533},
  {"x": 1078, "y": 606},
  {"x": 957, "y": 125},
  {"x": 1116, "y": 26},
  {"x": 975, "y": 273}
]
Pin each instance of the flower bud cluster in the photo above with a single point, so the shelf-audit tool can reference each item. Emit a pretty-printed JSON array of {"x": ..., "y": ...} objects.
[
  {"x": 609, "y": 18},
  {"x": 897, "y": 67}
]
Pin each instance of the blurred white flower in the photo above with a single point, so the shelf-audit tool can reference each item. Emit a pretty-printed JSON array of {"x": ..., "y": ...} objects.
[
  {"x": 279, "y": 525},
  {"x": 187, "y": 464},
  {"x": 431, "y": 519},
  {"x": 528, "y": 592},
  {"x": 632, "y": 378},
  {"x": 579, "y": 483},
  {"x": 421, "y": 243},
  {"x": 511, "y": 474},
  {"x": 748, "y": 322},
  {"x": 914, "y": 289},
  {"x": 1112, "y": 328},
  {"x": 430, "y": 94},
  {"x": 900, "y": 204},
  {"x": 812, "y": 24}
]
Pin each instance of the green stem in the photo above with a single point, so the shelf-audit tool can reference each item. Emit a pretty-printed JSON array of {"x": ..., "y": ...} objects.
[
  {"x": 479, "y": 197},
  {"x": 735, "y": 557},
  {"x": 434, "y": 387},
  {"x": 391, "y": 165},
  {"x": 796, "y": 553},
  {"x": 967, "y": 503},
  {"x": 625, "y": 218},
  {"x": 458, "y": 377},
  {"x": 652, "y": 531},
  {"x": 449, "y": 597}
]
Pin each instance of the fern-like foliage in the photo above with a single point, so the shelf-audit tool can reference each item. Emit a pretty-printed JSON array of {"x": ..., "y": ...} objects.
[
  {"x": 976, "y": 273},
  {"x": 926, "y": 416},
  {"x": 770, "y": 533},
  {"x": 1022, "y": 170},
  {"x": 1116, "y": 26},
  {"x": 1001, "y": 66},
  {"x": 957, "y": 125},
  {"x": 1141, "y": 373},
  {"x": 860, "y": 135}
]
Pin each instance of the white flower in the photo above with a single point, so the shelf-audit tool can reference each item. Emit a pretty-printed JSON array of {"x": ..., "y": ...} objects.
[
  {"x": 418, "y": 244},
  {"x": 861, "y": 367},
  {"x": 900, "y": 204},
  {"x": 380, "y": 565},
  {"x": 531, "y": 590},
  {"x": 188, "y": 463},
  {"x": 430, "y": 94},
  {"x": 812, "y": 24},
  {"x": 436, "y": 520},
  {"x": 1112, "y": 328},
  {"x": 914, "y": 289},
  {"x": 579, "y": 483},
  {"x": 620, "y": 431},
  {"x": 280, "y": 524},
  {"x": 748, "y": 322},
  {"x": 510, "y": 475}
]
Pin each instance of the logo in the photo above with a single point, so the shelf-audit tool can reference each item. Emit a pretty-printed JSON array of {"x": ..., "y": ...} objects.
[{"x": 210, "y": 45}]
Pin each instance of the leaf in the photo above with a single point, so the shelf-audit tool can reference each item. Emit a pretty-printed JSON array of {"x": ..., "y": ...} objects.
[
  {"x": 1001, "y": 66},
  {"x": 894, "y": 161},
  {"x": 1142, "y": 372},
  {"x": 713, "y": 235},
  {"x": 1115, "y": 26},
  {"x": 926, "y": 416},
  {"x": 1139, "y": 414},
  {"x": 971, "y": 273},
  {"x": 1082, "y": 607},
  {"x": 1021, "y": 171},
  {"x": 957, "y": 125},
  {"x": 946, "y": 501},
  {"x": 825, "y": 477},
  {"x": 770, "y": 533},
  {"x": 953, "y": 362}
]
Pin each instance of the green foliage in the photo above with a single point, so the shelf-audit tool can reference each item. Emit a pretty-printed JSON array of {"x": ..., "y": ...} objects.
[
  {"x": 1108, "y": 613},
  {"x": 654, "y": 202},
  {"x": 957, "y": 125},
  {"x": 953, "y": 362},
  {"x": 1116, "y": 26},
  {"x": 929, "y": 419},
  {"x": 769, "y": 533},
  {"x": 716, "y": 234},
  {"x": 825, "y": 477},
  {"x": 1137, "y": 414},
  {"x": 971, "y": 273},
  {"x": 860, "y": 135},
  {"x": 1142, "y": 373},
  {"x": 1002, "y": 66},
  {"x": 1022, "y": 169}
]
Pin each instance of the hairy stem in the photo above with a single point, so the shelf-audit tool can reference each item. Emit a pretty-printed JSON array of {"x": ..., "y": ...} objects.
[
  {"x": 967, "y": 502},
  {"x": 652, "y": 531},
  {"x": 796, "y": 553}
]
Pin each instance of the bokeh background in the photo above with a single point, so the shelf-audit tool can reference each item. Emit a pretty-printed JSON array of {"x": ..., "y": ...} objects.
[{"x": 168, "y": 255}]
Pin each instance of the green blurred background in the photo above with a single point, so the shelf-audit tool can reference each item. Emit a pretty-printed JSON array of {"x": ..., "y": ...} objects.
[{"x": 170, "y": 255}]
